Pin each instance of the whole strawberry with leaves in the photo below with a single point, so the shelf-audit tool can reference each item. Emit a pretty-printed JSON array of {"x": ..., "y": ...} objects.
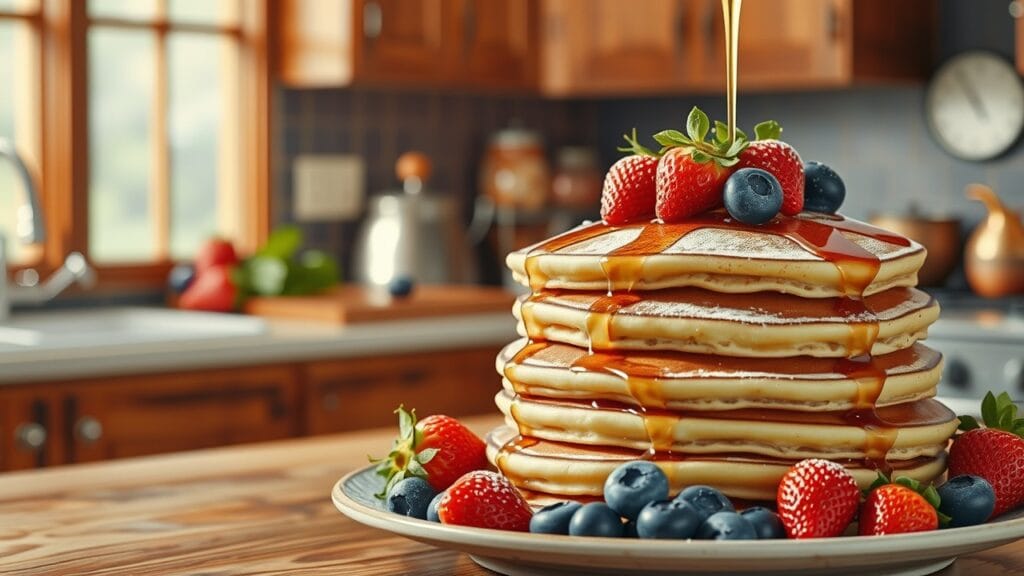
[
  {"x": 693, "y": 170},
  {"x": 899, "y": 506},
  {"x": 769, "y": 153},
  {"x": 629, "y": 192},
  {"x": 994, "y": 452},
  {"x": 439, "y": 449}
]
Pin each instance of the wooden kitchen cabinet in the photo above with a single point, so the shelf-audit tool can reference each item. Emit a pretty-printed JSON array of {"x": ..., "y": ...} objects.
[
  {"x": 30, "y": 428},
  {"x": 610, "y": 46},
  {"x": 419, "y": 43},
  {"x": 361, "y": 393},
  {"x": 133, "y": 416},
  {"x": 604, "y": 47}
]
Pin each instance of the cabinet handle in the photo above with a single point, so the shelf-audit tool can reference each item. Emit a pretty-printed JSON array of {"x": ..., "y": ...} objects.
[
  {"x": 88, "y": 429},
  {"x": 373, "y": 20},
  {"x": 30, "y": 436},
  {"x": 469, "y": 26},
  {"x": 709, "y": 30},
  {"x": 834, "y": 24}
]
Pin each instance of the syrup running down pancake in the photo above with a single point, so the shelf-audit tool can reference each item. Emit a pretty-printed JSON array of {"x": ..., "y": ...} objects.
[
  {"x": 749, "y": 325},
  {"x": 707, "y": 382},
  {"x": 811, "y": 255}
]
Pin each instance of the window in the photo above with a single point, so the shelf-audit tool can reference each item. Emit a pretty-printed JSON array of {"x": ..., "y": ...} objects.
[
  {"x": 151, "y": 127},
  {"x": 20, "y": 83}
]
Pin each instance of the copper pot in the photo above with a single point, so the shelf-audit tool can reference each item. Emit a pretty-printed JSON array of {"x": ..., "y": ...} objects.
[
  {"x": 939, "y": 236},
  {"x": 994, "y": 257}
]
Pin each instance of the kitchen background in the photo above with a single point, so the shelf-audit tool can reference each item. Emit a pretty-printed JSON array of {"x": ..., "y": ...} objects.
[{"x": 536, "y": 86}]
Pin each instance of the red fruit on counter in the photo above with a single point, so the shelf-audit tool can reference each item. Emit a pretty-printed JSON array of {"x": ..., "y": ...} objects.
[
  {"x": 817, "y": 499},
  {"x": 896, "y": 509},
  {"x": 212, "y": 291},
  {"x": 995, "y": 453},
  {"x": 629, "y": 192},
  {"x": 692, "y": 172},
  {"x": 769, "y": 153},
  {"x": 215, "y": 252},
  {"x": 485, "y": 499},
  {"x": 439, "y": 449}
]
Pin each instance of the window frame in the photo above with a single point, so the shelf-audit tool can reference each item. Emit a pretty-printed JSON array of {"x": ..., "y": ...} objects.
[{"x": 63, "y": 172}]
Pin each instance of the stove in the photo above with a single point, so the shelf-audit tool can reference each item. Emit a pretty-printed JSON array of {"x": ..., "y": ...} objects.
[{"x": 983, "y": 344}]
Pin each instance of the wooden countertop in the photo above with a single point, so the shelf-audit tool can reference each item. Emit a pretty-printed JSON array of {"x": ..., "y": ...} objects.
[{"x": 257, "y": 509}]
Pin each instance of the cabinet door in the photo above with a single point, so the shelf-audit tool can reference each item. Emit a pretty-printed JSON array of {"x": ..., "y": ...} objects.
[
  {"x": 611, "y": 46},
  {"x": 499, "y": 48},
  {"x": 152, "y": 414},
  {"x": 782, "y": 44},
  {"x": 402, "y": 41},
  {"x": 363, "y": 393},
  {"x": 29, "y": 428}
]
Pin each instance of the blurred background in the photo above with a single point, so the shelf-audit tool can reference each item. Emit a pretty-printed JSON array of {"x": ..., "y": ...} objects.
[{"x": 413, "y": 143}]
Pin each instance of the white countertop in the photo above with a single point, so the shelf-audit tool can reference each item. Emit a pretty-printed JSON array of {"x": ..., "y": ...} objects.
[{"x": 282, "y": 341}]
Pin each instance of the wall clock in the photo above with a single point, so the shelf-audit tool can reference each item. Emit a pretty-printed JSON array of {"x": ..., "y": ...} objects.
[{"x": 975, "y": 106}]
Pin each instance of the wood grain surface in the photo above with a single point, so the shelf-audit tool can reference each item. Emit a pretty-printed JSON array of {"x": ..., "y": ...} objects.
[{"x": 253, "y": 510}]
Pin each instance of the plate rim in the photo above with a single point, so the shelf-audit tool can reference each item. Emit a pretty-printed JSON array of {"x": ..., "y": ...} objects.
[{"x": 931, "y": 541}]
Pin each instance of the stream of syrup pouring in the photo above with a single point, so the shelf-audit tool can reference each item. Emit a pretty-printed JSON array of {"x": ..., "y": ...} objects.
[{"x": 856, "y": 269}]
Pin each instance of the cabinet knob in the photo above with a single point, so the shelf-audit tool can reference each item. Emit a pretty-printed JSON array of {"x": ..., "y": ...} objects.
[
  {"x": 30, "y": 436},
  {"x": 373, "y": 20},
  {"x": 88, "y": 429}
]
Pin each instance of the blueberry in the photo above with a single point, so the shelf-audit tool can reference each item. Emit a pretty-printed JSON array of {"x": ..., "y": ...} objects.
[
  {"x": 706, "y": 500},
  {"x": 432, "y": 508},
  {"x": 596, "y": 519},
  {"x": 554, "y": 519},
  {"x": 765, "y": 522},
  {"x": 967, "y": 499},
  {"x": 181, "y": 277},
  {"x": 400, "y": 286},
  {"x": 668, "y": 519},
  {"x": 752, "y": 195},
  {"x": 632, "y": 485},
  {"x": 411, "y": 497},
  {"x": 824, "y": 190},
  {"x": 726, "y": 525}
]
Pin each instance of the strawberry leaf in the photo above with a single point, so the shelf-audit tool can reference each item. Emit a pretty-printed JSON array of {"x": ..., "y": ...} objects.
[
  {"x": 697, "y": 125},
  {"x": 635, "y": 147},
  {"x": 406, "y": 421},
  {"x": 968, "y": 423},
  {"x": 700, "y": 157},
  {"x": 768, "y": 130},
  {"x": 881, "y": 480},
  {"x": 721, "y": 132},
  {"x": 427, "y": 455},
  {"x": 989, "y": 411},
  {"x": 671, "y": 138},
  {"x": 738, "y": 146}
]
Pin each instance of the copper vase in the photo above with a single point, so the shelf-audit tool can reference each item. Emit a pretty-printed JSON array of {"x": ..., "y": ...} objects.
[{"x": 994, "y": 256}]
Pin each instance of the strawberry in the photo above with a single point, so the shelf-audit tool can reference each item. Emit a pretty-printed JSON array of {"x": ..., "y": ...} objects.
[
  {"x": 438, "y": 449},
  {"x": 215, "y": 252},
  {"x": 995, "y": 453},
  {"x": 629, "y": 192},
  {"x": 212, "y": 290},
  {"x": 693, "y": 171},
  {"x": 817, "y": 499},
  {"x": 485, "y": 499},
  {"x": 902, "y": 506},
  {"x": 769, "y": 153}
]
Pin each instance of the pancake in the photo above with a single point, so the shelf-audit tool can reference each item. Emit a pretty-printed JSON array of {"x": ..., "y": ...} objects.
[
  {"x": 809, "y": 255},
  {"x": 572, "y": 470},
  {"x": 899, "y": 432},
  {"x": 761, "y": 325},
  {"x": 704, "y": 382}
]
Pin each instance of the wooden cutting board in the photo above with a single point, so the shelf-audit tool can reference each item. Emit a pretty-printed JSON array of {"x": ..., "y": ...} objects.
[{"x": 356, "y": 304}]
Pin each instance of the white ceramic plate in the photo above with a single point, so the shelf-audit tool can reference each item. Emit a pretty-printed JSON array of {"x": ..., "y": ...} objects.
[{"x": 518, "y": 554}]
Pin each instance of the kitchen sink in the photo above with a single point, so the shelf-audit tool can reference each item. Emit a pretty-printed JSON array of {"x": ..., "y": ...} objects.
[{"x": 89, "y": 328}]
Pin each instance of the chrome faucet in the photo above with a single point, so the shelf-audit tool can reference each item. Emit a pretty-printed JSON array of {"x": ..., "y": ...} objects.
[{"x": 31, "y": 230}]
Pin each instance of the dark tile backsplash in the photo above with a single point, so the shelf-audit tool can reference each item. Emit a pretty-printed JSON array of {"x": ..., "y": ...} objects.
[{"x": 379, "y": 125}]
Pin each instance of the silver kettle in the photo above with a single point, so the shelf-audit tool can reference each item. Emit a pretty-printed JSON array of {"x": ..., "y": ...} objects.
[{"x": 413, "y": 233}]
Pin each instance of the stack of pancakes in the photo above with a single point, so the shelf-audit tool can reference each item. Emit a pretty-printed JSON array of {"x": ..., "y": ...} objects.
[{"x": 721, "y": 351}]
